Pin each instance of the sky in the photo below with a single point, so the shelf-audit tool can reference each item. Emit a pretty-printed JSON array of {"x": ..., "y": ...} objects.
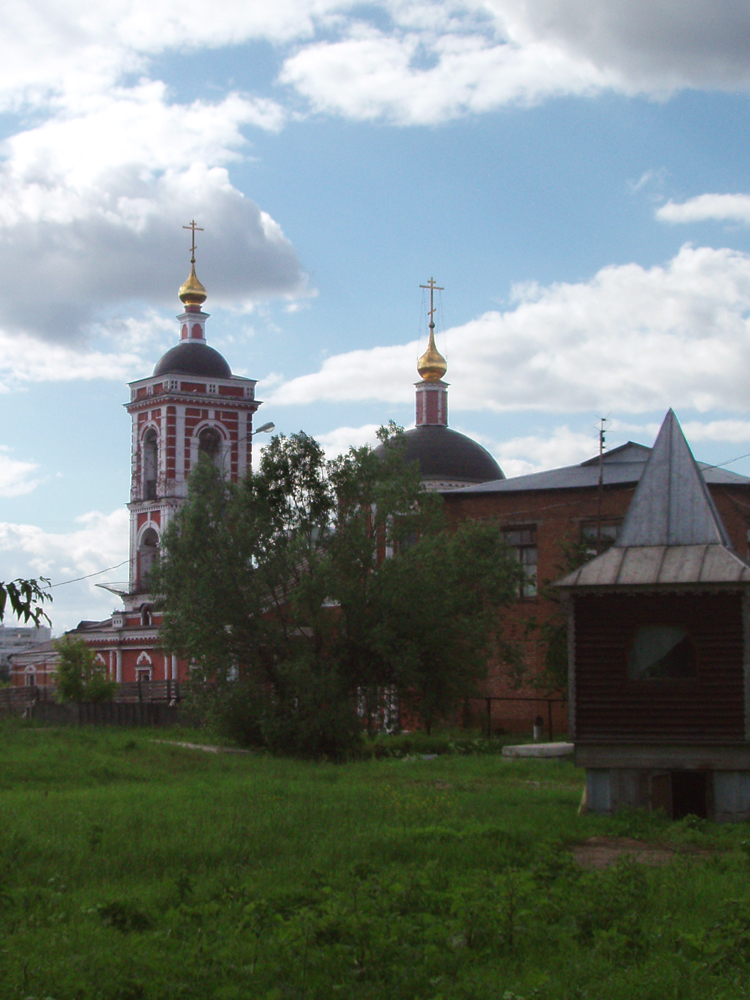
[{"x": 573, "y": 173}]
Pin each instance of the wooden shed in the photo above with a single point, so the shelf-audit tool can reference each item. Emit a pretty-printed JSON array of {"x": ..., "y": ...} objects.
[{"x": 659, "y": 652}]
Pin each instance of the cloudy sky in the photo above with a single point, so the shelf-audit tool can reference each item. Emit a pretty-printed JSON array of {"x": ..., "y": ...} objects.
[{"x": 573, "y": 172}]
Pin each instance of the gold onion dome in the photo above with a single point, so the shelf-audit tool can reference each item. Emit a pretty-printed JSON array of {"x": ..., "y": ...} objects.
[
  {"x": 432, "y": 365},
  {"x": 192, "y": 292}
]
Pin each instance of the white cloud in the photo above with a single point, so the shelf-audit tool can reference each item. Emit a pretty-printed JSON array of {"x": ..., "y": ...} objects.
[
  {"x": 24, "y": 359},
  {"x": 378, "y": 373},
  {"x": 734, "y": 431},
  {"x": 83, "y": 47},
  {"x": 372, "y": 75},
  {"x": 631, "y": 338},
  {"x": 341, "y": 439},
  {"x": 403, "y": 59},
  {"x": 719, "y": 207},
  {"x": 16, "y": 475},
  {"x": 99, "y": 541},
  {"x": 435, "y": 62},
  {"x": 534, "y": 453},
  {"x": 729, "y": 431},
  {"x": 654, "y": 45},
  {"x": 92, "y": 204}
]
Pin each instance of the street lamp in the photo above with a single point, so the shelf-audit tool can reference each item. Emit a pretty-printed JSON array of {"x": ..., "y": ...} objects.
[{"x": 264, "y": 429}]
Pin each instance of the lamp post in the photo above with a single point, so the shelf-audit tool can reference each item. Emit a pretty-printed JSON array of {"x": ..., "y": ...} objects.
[{"x": 263, "y": 429}]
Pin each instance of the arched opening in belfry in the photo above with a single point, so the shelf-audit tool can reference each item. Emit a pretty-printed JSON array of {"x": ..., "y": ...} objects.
[
  {"x": 209, "y": 445},
  {"x": 150, "y": 464},
  {"x": 148, "y": 556}
]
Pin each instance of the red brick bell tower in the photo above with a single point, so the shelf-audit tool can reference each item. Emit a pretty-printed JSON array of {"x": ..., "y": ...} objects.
[{"x": 190, "y": 407}]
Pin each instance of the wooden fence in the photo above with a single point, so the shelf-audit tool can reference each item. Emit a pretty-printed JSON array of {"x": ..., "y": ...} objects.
[{"x": 144, "y": 703}]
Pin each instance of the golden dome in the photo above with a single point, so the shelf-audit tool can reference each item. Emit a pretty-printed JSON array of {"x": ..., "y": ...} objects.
[
  {"x": 192, "y": 292},
  {"x": 432, "y": 365}
]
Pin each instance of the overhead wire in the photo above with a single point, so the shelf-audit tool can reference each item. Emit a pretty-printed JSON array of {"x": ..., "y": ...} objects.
[{"x": 88, "y": 576}]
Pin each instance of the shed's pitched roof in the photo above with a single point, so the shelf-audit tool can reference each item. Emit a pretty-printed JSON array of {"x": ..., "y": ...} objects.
[
  {"x": 672, "y": 533},
  {"x": 672, "y": 505}
]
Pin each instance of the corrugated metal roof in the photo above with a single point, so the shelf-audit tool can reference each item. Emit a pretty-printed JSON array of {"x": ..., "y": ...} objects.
[
  {"x": 672, "y": 505},
  {"x": 660, "y": 565},
  {"x": 620, "y": 466},
  {"x": 672, "y": 533}
]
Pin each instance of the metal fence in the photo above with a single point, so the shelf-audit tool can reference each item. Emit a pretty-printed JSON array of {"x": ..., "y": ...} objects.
[{"x": 540, "y": 716}]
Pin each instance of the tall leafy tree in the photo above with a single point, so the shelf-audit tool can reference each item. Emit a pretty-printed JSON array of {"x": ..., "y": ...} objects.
[{"x": 318, "y": 582}]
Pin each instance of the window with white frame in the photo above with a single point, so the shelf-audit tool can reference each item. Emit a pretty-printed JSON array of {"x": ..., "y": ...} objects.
[
  {"x": 598, "y": 536},
  {"x": 522, "y": 540}
]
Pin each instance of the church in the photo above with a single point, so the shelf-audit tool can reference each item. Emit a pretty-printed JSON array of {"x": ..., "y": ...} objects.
[{"x": 191, "y": 407}]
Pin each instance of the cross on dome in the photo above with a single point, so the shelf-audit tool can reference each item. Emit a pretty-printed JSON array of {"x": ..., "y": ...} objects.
[
  {"x": 432, "y": 366},
  {"x": 192, "y": 294}
]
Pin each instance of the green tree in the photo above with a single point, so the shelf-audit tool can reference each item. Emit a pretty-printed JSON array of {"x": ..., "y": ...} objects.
[
  {"x": 286, "y": 578},
  {"x": 25, "y": 598},
  {"x": 78, "y": 676}
]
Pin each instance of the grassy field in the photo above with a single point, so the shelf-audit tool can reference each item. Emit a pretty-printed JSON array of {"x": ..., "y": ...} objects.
[{"x": 133, "y": 869}]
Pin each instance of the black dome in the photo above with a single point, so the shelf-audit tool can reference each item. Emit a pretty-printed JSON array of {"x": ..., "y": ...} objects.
[
  {"x": 445, "y": 455},
  {"x": 193, "y": 358}
]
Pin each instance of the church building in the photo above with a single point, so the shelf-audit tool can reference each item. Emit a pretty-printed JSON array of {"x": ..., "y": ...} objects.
[
  {"x": 190, "y": 407},
  {"x": 447, "y": 459}
]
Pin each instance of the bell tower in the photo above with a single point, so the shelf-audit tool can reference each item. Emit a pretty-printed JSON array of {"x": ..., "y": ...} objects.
[{"x": 192, "y": 406}]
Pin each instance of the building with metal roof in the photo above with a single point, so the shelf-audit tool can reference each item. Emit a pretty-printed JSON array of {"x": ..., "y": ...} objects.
[
  {"x": 556, "y": 518},
  {"x": 659, "y": 657}
]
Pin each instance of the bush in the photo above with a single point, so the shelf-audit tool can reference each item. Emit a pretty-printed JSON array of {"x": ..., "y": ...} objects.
[{"x": 79, "y": 677}]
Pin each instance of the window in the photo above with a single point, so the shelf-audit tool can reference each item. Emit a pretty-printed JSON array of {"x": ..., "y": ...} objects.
[
  {"x": 212, "y": 388},
  {"x": 598, "y": 536},
  {"x": 209, "y": 445},
  {"x": 148, "y": 555},
  {"x": 661, "y": 652},
  {"x": 150, "y": 464},
  {"x": 522, "y": 540}
]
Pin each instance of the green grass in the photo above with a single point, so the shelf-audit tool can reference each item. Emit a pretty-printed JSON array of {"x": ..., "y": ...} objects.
[{"x": 134, "y": 870}]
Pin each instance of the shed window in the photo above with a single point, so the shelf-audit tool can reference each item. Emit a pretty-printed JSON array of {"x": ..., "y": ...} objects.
[
  {"x": 660, "y": 652},
  {"x": 522, "y": 540}
]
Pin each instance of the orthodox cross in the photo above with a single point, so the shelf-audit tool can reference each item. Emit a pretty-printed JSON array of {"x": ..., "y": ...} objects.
[
  {"x": 193, "y": 227},
  {"x": 433, "y": 288}
]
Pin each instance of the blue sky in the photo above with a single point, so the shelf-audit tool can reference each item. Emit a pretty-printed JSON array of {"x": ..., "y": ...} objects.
[{"x": 573, "y": 172}]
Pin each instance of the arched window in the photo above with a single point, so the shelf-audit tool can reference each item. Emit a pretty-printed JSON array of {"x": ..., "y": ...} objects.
[
  {"x": 150, "y": 464},
  {"x": 209, "y": 445},
  {"x": 148, "y": 555},
  {"x": 147, "y": 617}
]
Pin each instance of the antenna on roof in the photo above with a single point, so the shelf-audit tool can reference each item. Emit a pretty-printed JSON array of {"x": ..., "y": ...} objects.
[{"x": 600, "y": 495}]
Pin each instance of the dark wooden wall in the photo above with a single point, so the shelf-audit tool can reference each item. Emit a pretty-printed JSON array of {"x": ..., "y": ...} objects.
[{"x": 611, "y": 708}]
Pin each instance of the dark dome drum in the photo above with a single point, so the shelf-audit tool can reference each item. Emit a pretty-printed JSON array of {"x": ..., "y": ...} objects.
[{"x": 193, "y": 358}]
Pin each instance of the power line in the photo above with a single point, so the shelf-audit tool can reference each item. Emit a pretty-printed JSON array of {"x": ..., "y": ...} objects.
[{"x": 88, "y": 576}]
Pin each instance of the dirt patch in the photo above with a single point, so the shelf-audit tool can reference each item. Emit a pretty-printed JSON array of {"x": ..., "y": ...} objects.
[
  {"x": 207, "y": 748},
  {"x": 601, "y": 852}
]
